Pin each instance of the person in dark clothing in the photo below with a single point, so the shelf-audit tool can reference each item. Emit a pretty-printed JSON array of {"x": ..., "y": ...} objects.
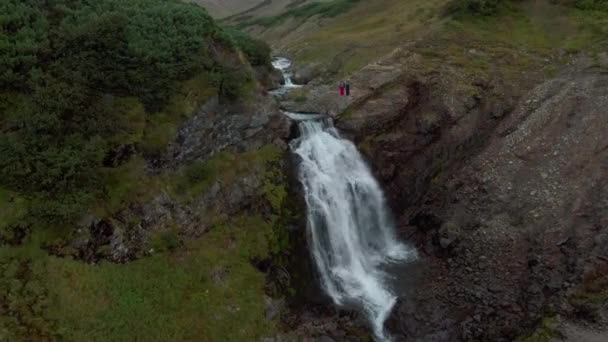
[{"x": 347, "y": 88}]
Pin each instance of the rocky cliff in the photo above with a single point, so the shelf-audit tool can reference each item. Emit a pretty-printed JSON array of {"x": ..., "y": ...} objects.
[
  {"x": 223, "y": 162},
  {"x": 506, "y": 199},
  {"x": 499, "y": 179}
]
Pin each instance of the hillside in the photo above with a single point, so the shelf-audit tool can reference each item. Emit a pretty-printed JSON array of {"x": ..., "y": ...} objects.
[
  {"x": 343, "y": 36},
  {"x": 148, "y": 189},
  {"x": 118, "y": 155},
  {"x": 473, "y": 114},
  {"x": 226, "y": 8}
]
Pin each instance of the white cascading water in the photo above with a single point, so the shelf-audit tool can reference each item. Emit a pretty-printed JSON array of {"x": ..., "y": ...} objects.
[
  {"x": 350, "y": 229},
  {"x": 282, "y": 64},
  {"x": 351, "y": 233}
]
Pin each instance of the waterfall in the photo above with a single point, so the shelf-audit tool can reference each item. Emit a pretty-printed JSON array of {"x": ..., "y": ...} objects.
[
  {"x": 283, "y": 64},
  {"x": 351, "y": 235}
]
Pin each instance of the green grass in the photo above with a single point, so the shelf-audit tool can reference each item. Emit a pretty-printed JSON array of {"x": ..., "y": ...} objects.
[
  {"x": 127, "y": 184},
  {"x": 368, "y": 31},
  {"x": 167, "y": 240},
  {"x": 322, "y": 9},
  {"x": 518, "y": 37},
  {"x": 130, "y": 183},
  {"x": 196, "y": 293},
  {"x": 592, "y": 31},
  {"x": 187, "y": 290},
  {"x": 12, "y": 211},
  {"x": 544, "y": 333},
  {"x": 161, "y": 127},
  {"x": 224, "y": 167}
]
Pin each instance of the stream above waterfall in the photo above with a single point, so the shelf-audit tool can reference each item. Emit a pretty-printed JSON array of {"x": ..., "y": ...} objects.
[{"x": 283, "y": 65}]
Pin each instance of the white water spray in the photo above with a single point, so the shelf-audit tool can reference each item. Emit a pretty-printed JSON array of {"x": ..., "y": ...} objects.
[
  {"x": 283, "y": 64},
  {"x": 351, "y": 233},
  {"x": 350, "y": 230}
]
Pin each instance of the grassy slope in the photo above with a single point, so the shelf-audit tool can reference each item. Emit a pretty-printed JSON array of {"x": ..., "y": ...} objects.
[
  {"x": 225, "y": 8},
  {"x": 367, "y": 31},
  {"x": 186, "y": 291},
  {"x": 191, "y": 293},
  {"x": 374, "y": 28},
  {"x": 194, "y": 294}
]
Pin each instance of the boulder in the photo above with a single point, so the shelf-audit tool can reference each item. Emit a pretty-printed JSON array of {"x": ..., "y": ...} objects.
[{"x": 306, "y": 73}]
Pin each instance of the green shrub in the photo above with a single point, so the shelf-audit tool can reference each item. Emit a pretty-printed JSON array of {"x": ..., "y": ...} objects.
[
  {"x": 166, "y": 241},
  {"x": 79, "y": 79},
  {"x": 257, "y": 51},
  {"x": 196, "y": 173}
]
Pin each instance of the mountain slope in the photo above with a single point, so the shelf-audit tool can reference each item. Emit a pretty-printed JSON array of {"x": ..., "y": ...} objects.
[
  {"x": 142, "y": 174},
  {"x": 225, "y": 8},
  {"x": 484, "y": 126}
]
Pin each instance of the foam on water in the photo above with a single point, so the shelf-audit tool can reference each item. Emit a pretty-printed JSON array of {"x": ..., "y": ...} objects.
[{"x": 350, "y": 228}]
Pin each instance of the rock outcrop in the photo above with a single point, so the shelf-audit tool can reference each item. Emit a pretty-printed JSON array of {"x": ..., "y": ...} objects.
[
  {"x": 507, "y": 200},
  {"x": 218, "y": 127},
  {"x": 255, "y": 133}
]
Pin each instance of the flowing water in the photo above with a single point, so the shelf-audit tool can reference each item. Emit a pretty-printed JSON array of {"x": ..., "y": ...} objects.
[
  {"x": 283, "y": 64},
  {"x": 351, "y": 235}
]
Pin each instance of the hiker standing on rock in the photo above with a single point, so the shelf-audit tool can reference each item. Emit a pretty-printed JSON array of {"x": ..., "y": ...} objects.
[
  {"x": 347, "y": 88},
  {"x": 342, "y": 88}
]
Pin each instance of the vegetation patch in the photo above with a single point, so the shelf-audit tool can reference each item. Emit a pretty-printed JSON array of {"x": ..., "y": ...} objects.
[
  {"x": 476, "y": 7},
  {"x": 257, "y": 52},
  {"x": 599, "y": 5},
  {"x": 186, "y": 290},
  {"x": 592, "y": 294},
  {"x": 169, "y": 296},
  {"x": 544, "y": 333},
  {"x": 322, "y": 9},
  {"x": 85, "y": 85},
  {"x": 12, "y": 213},
  {"x": 223, "y": 168}
]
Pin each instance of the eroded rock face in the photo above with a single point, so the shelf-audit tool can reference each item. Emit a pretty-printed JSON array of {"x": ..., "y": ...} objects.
[
  {"x": 127, "y": 234},
  {"x": 511, "y": 232},
  {"x": 216, "y": 127},
  {"x": 503, "y": 188}
]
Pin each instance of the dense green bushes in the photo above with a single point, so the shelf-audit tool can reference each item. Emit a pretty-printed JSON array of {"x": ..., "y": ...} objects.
[
  {"x": 131, "y": 46},
  {"x": 66, "y": 68},
  {"x": 257, "y": 52}
]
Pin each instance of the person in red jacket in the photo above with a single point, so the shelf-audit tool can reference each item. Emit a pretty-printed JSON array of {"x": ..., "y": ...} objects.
[{"x": 341, "y": 86}]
